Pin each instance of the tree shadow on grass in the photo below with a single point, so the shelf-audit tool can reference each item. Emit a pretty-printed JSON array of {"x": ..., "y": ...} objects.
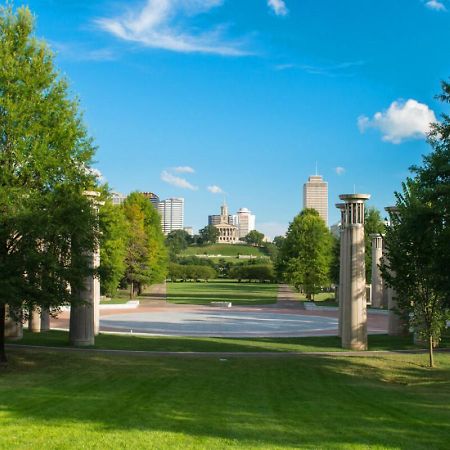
[{"x": 310, "y": 402}]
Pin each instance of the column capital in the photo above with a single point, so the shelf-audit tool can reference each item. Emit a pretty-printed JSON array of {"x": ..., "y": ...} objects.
[{"x": 352, "y": 198}]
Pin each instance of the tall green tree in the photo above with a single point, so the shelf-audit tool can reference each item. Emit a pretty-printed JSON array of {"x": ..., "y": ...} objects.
[
  {"x": 113, "y": 241},
  {"x": 209, "y": 235},
  {"x": 418, "y": 239},
  {"x": 306, "y": 253},
  {"x": 176, "y": 242},
  {"x": 47, "y": 225},
  {"x": 254, "y": 238},
  {"x": 146, "y": 258},
  {"x": 373, "y": 223}
]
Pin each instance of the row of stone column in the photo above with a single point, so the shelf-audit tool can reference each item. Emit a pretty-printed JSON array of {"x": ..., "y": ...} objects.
[
  {"x": 352, "y": 278},
  {"x": 84, "y": 318}
]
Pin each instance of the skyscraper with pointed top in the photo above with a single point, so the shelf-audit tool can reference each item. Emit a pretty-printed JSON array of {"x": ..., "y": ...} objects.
[{"x": 315, "y": 196}]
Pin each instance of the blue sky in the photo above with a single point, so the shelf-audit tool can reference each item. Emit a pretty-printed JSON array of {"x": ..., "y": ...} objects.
[{"x": 205, "y": 98}]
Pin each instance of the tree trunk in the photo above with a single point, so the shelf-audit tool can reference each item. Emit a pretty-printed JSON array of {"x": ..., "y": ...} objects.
[
  {"x": 430, "y": 350},
  {"x": 131, "y": 290},
  {"x": 3, "y": 359}
]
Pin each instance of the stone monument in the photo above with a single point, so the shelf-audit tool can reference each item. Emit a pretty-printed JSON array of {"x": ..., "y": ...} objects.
[
  {"x": 84, "y": 318},
  {"x": 377, "y": 280},
  {"x": 353, "y": 304}
]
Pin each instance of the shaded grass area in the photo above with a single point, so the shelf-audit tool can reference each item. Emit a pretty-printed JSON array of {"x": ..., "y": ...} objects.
[
  {"x": 56, "y": 338},
  {"x": 74, "y": 401},
  {"x": 224, "y": 250},
  {"x": 224, "y": 290}
]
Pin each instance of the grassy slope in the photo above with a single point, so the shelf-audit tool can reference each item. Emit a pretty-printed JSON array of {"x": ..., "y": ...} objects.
[
  {"x": 223, "y": 249},
  {"x": 206, "y": 344},
  {"x": 224, "y": 290},
  {"x": 90, "y": 401}
]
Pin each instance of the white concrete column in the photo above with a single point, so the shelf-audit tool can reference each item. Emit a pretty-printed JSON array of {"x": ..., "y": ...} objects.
[
  {"x": 34, "y": 320},
  {"x": 13, "y": 329},
  {"x": 342, "y": 264},
  {"x": 377, "y": 280},
  {"x": 354, "y": 309},
  {"x": 397, "y": 326},
  {"x": 84, "y": 317},
  {"x": 45, "y": 319}
]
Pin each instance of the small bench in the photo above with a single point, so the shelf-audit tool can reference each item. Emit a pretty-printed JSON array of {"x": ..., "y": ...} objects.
[{"x": 222, "y": 304}]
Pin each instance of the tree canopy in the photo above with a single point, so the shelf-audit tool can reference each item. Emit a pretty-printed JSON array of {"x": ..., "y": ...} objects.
[
  {"x": 47, "y": 224},
  {"x": 305, "y": 256},
  {"x": 417, "y": 241}
]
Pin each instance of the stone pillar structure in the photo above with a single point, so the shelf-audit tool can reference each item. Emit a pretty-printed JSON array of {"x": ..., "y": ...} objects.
[
  {"x": 84, "y": 318},
  {"x": 96, "y": 290},
  {"x": 396, "y": 323},
  {"x": 13, "y": 329},
  {"x": 354, "y": 309},
  {"x": 342, "y": 264},
  {"x": 45, "y": 319},
  {"x": 34, "y": 320},
  {"x": 377, "y": 280}
]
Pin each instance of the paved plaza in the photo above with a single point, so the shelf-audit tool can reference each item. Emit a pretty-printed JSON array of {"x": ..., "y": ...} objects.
[
  {"x": 223, "y": 322},
  {"x": 286, "y": 318}
]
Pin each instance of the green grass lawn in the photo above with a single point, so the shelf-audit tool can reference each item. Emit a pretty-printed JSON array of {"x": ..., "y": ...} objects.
[
  {"x": 224, "y": 250},
  {"x": 74, "y": 401},
  {"x": 57, "y": 338},
  {"x": 222, "y": 290}
]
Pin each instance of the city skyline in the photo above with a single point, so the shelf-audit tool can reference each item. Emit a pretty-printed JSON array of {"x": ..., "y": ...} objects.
[{"x": 248, "y": 108}]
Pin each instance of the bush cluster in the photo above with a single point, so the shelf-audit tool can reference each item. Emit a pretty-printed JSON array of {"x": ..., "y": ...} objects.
[{"x": 190, "y": 272}]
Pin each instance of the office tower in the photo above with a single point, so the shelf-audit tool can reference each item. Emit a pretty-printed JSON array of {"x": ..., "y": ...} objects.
[
  {"x": 315, "y": 196},
  {"x": 172, "y": 214},
  {"x": 245, "y": 221},
  {"x": 154, "y": 199}
]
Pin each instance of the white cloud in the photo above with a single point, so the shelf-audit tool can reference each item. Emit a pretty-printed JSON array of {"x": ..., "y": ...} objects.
[
  {"x": 278, "y": 6},
  {"x": 183, "y": 169},
  {"x": 339, "y": 170},
  {"x": 402, "y": 120},
  {"x": 215, "y": 189},
  {"x": 177, "y": 181},
  {"x": 163, "y": 24},
  {"x": 272, "y": 229},
  {"x": 436, "y": 5}
]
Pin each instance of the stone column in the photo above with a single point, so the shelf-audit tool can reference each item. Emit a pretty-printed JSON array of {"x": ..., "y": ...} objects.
[
  {"x": 96, "y": 290},
  {"x": 377, "y": 280},
  {"x": 34, "y": 320},
  {"x": 84, "y": 318},
  {"x": 45, "y": 319},
  {"x": 342, "y": 264},
  {"x": 13, "y": 329},
  {"x": 396, "y": 323},
  {"x": 354, "y": 309}
]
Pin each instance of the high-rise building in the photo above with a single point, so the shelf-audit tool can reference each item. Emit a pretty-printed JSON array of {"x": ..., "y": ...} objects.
[
  {"x": 117, "y": 198},
  {"x": 315, "y": 196},
  {"x": 245, "y": 221},
  {"x": 172, "y": 214},
  {"x": 154, "y": 199}
]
